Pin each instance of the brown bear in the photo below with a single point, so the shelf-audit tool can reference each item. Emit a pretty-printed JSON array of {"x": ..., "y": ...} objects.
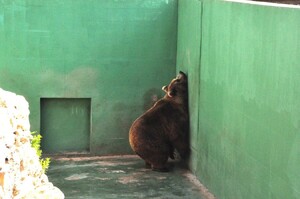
[{"x": 164, "y": 127}]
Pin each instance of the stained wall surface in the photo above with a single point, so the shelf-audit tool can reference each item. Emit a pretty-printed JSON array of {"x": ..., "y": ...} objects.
[
  {"x": 118, "y": 54},
  {"x": 243, "y": 64}
]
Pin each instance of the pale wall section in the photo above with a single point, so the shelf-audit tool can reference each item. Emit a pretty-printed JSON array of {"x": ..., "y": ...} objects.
[{"x": 245, "y": 126}]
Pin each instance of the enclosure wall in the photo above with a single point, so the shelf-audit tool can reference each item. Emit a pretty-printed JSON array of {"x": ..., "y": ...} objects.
[
  {"x": 243, "y": 64},
  {"x": 116, "y": 54}
]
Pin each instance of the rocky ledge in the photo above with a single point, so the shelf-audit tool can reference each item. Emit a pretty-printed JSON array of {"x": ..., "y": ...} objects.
[{"x": 21, "y": 174}]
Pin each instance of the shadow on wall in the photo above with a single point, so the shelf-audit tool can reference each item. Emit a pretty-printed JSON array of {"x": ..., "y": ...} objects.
[{"x": 151, "y": 97}]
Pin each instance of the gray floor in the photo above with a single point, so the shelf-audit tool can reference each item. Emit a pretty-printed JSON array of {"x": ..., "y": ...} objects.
[{"x": 120, "y": 177}]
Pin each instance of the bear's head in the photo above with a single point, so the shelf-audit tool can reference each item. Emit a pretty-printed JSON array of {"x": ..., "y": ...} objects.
[{"x": 178, "y": 87}]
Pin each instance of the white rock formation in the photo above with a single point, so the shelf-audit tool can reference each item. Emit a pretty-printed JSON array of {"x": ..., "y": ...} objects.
[{"x": 21, "y": 174}]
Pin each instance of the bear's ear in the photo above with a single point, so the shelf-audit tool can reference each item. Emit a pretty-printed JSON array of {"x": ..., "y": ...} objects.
[
  {"x": 170, "y": 93},
  {"x": 165, "y": 88}
]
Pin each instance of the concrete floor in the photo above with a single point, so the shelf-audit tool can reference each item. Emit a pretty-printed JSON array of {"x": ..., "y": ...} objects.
[{"x": 121, "y": 177}]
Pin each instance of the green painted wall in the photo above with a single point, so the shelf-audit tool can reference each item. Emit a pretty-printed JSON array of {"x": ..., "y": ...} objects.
[
  {"x": 242, "y": 61},
  {"x": 117, "y": 53},
  {"x": 244, "y": 97}
]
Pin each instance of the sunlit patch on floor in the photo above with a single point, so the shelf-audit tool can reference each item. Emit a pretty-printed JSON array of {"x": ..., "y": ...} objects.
[{"x": 77, "y": 176}]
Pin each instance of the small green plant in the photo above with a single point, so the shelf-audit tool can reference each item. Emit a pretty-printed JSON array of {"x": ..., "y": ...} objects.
[{"x": 36, "y": 144}]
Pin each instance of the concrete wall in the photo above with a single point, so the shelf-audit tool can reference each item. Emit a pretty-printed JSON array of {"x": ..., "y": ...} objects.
[
  {"x": 242, "y": 61},
  {"x": 244, "y": 77},
  {"x": 117, "y": 54}
]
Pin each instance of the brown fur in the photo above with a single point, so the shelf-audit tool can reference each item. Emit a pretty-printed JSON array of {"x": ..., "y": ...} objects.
[{"x": 164, "y": 127}]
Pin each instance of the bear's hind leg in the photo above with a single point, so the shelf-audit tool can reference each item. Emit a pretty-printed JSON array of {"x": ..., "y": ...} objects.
[
  {"x": 160, "y": 169},
  {"x": 160, "y": 163}
]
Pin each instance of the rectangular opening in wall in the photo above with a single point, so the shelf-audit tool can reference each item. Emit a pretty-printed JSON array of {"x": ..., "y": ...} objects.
[{"x": 65, "y": 125}]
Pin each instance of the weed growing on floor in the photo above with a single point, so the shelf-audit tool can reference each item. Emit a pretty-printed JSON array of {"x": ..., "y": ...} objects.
[{"x": 36, "y": 144}]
